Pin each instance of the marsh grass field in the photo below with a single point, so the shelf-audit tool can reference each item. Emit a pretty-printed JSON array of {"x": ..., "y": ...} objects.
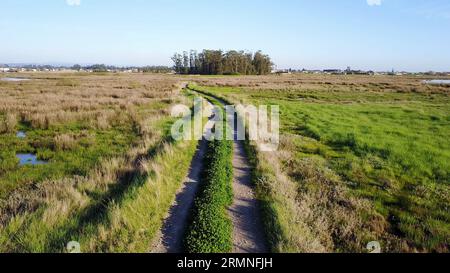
[
  {"x": 105, "y": 139},
  {"x": 362, "y": 158}
]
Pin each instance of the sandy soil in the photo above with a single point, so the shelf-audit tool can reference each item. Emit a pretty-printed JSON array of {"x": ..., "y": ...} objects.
[{"x": 248, "y": 232}]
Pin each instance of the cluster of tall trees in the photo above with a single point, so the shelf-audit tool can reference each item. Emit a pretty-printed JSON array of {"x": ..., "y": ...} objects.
[{"x": 218, "y": 62}]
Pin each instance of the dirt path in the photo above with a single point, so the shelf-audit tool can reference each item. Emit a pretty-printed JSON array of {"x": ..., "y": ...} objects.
[
  {"x": 170, "y": 237},
  {"x": 248, "y": 232}
]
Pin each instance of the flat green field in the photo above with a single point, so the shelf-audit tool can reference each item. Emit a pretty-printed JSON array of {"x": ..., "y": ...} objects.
[{"x": 385, "y": 141}]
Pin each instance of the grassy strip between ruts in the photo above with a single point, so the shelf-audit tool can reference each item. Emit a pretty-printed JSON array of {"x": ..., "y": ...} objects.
[{"x": 210, "y": 229}]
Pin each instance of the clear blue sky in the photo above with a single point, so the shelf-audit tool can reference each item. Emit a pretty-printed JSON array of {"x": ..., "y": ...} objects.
[{"x": 402, "y": 34}]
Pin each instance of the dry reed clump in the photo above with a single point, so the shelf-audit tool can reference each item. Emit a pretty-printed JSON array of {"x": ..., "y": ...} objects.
[
  {"x": 102, "y": 122},
  {"x": 143, "y": 167},
  {"x": 145, "y": 127},
  {"x": 9, "y": 124},
  {"x": 58, "y": 197},
  {"x": 65, "y": 142},
  {"x": 36, "y": 120},
  {"x": 64, "y": 198}
]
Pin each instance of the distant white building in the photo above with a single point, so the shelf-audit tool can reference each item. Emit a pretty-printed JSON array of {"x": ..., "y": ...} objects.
[
  {"x": 304, "y": 71},
  {"x": 4, "y": 69}
]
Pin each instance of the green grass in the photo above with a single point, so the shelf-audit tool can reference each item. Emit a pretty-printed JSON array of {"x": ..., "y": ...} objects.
[{"x": 391, "y": 147}]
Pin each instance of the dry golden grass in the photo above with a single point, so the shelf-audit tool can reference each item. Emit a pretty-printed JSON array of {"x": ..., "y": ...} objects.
[
  {"x": 45, "y": 101},
  {"x": 9, "y": 124},
  {"x": 337, "y": 83},
  {"x": 65, "y": 142}
]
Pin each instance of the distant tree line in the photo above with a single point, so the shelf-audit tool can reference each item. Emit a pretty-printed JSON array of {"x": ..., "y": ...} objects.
[
  {"x": 107, "y": 68},
  {"x": 217, "y": 62},
  {"x": 156, "y": 69}
]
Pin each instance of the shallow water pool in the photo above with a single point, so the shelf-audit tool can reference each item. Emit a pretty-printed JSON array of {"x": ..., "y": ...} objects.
[
  {"x": 437, "y": 82},
  {"x": 21, "y": 134},
  {"x": 14, "y": 79},
  {"x": 29, "y": 159}
]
